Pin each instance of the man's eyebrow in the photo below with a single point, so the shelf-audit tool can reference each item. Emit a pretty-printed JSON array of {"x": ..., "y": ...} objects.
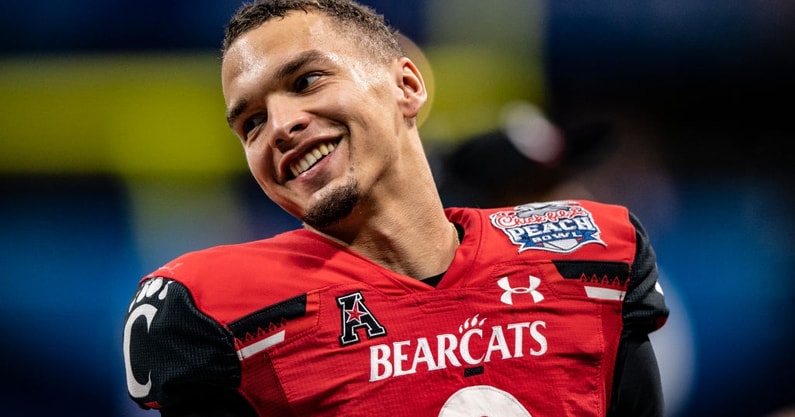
[
  {"x": 236, "y": 111},
  {"x": 285, "y": 71}
]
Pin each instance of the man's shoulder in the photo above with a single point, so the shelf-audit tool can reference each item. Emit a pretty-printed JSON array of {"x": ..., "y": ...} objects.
[
  {"x": 566, "y": 228},
  {"x": 237, "y": 258}
]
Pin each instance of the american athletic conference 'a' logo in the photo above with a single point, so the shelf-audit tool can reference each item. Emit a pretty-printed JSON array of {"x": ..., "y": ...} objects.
[
  {"x": 356, "y": 315},
  {"x": 559, "y": 226}
]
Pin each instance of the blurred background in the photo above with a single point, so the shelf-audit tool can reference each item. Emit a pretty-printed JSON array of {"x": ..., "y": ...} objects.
[{"x": 115, "y": 157}]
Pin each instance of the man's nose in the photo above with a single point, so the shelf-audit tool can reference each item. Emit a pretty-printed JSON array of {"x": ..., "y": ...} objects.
[{"x": 286, "y": 119}]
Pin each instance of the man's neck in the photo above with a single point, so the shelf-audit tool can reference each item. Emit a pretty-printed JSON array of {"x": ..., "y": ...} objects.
[{"x": 416, "y": 246}]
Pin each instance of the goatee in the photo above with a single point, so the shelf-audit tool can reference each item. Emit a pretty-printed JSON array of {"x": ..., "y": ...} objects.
[{"x": 334, "y": 207}]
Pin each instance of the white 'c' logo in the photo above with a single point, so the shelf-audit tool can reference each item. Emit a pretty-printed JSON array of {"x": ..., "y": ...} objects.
[{"x": 137, "y": 389}]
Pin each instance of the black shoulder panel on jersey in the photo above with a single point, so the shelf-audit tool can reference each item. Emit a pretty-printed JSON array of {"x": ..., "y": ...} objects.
[
  {"x": 269, "y": 317},
  {"x": 593, "y": 270},
  {"x": 176, "y": 356}
]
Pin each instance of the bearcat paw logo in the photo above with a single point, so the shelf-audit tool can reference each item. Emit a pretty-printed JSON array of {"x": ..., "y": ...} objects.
[
  {"x": 154, "y": 288},
  {"x": 469, "y": 323}
]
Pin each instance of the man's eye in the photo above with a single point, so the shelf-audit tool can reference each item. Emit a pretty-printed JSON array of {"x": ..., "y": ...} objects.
[
  {"x": 251, "y": 123},
  {"x": 305, "y": 82}
]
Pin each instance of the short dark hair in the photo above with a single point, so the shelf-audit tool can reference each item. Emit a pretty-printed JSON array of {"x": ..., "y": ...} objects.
[{"x": 350, "y": 16}]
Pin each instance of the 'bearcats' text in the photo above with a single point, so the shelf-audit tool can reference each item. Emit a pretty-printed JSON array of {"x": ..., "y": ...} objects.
[{"x": 472, "y": 348}]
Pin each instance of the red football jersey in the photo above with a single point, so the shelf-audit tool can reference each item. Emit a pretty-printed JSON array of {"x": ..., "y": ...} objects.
[{"x": 525, "y": 322}]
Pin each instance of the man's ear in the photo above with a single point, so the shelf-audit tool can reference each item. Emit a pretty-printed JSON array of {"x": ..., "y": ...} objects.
[{"x": 412, "y": 86}]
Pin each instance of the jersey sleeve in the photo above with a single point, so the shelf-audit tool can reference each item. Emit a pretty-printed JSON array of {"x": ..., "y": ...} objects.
[
  {"x": 644, "y": 304},
  {"x": 178, "y": 359},
  {"x": 637, "y": 388}
]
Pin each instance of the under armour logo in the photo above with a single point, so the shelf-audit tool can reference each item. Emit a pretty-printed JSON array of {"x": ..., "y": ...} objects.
[{"x": 507, "y": 296}]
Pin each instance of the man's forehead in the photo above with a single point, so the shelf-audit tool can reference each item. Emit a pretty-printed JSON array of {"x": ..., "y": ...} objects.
[
  {"x": 295, "y": 32},
  {"x": 277, "y": 49}
]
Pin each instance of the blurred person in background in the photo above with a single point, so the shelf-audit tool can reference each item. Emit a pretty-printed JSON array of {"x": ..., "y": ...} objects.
[
  {"x": 528, "y": 158},
  {"x": 386, "y": 302}
]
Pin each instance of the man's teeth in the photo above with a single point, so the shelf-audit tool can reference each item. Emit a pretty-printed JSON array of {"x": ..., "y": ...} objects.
[{"x": 311, "y": 158}]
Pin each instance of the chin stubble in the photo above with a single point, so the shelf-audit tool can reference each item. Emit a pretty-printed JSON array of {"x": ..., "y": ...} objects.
[{"x": 334, "y": 207}]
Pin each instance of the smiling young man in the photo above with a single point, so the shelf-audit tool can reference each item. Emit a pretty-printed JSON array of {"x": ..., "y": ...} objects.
[{"x": 385, "y": 303}]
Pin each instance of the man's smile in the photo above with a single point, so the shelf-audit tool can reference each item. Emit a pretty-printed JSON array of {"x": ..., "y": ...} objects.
[{"x": 311, "y": 158}]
